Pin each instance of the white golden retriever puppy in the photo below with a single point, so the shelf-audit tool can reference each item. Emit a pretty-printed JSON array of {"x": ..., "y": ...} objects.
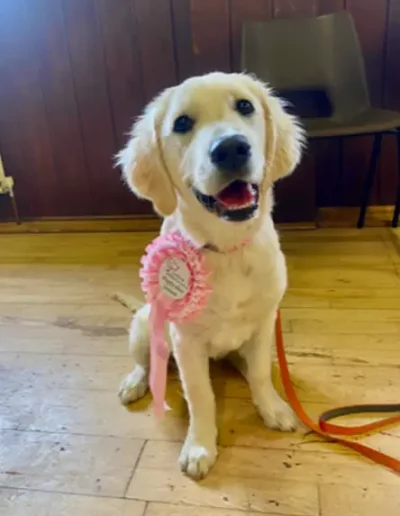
[{"x": 206, "y": 153}]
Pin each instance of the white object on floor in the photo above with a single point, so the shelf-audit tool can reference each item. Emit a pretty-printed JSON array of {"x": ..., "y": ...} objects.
[
  {"x": 6, "y": 182},
  {"x": 7, "y": 187}
]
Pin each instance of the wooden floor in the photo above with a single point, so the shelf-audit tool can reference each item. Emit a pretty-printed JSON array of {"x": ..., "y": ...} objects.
[{"x": 69, "y": 449}]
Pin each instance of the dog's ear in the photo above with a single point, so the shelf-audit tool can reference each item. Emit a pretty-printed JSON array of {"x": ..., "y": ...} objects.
[
  {"x": 285, "y": 137},
  {"x": 142, "y": 162}
]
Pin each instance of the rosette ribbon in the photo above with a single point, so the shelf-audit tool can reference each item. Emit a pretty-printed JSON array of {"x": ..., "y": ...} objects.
[{"x": 174, "y": 279}]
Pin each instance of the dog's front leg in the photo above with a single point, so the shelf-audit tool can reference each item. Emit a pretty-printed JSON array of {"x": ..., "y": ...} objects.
[
  {"x": 200, "y": 449},
  {"x": 257, "y": 355}
]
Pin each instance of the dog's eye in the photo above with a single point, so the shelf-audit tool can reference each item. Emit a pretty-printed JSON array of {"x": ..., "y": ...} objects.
[
  {"x": 183, "y": 124},
  {"x": 244, "y": 107}
]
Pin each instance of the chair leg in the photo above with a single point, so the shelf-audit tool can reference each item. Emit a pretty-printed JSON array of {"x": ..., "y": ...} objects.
[
  {"x": 369, "y": 182},
  {"x": 339, "y": 184},
  {"x": 396, "y": 214},
  {"x": 15, "y": 207}
]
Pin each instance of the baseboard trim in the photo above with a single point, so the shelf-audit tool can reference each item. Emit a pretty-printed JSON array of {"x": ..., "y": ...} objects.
[
  {"x": 347, "y": 217},
  {"x": 107, "y": 225},
  {"x": 377, "y": 216},
  {"x": 89, "y": 225}
]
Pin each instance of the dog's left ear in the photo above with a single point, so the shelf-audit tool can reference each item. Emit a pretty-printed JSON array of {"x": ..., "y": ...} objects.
[
  {"x": 285, "y": 137},
  {"x": 142, "y": 161}
]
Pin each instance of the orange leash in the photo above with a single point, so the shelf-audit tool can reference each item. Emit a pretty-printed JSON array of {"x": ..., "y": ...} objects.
[{"x": 330, "y": 430}]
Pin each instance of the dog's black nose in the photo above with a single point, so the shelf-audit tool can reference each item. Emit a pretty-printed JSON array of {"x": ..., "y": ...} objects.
[{"x": 231, "y": 153}]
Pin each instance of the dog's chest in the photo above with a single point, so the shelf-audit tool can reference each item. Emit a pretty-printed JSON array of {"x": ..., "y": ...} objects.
[{"x": 244, "y": 290}]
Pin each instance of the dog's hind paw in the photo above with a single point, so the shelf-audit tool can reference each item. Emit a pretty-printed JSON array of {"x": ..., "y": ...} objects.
[
  {"x": 134, "y": 386},
  {"x": 278, "y": 415}
]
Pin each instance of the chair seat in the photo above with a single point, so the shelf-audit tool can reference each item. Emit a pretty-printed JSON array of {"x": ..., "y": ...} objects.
[{"x": 369, "y": 122}]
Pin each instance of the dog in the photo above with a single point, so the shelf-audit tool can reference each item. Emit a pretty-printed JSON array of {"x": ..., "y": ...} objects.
[{"x": 207, "y": 153}]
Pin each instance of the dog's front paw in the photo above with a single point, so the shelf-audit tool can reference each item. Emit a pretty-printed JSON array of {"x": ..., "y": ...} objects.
[
  {"x": 134, "y": 386},
  {"x": 196, "y": 459},
  {"x": 278, "y": 415}
]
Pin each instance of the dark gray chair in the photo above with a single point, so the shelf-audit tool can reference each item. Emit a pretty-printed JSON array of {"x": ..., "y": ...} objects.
[{"x": 321, "y": 59}]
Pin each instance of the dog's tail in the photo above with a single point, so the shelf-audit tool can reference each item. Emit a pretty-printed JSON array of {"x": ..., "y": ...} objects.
[{"x": 130, "y": 302}]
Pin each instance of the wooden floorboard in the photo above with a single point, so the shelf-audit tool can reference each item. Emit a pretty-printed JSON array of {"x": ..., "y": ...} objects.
[{"x": 67, "y": 447}]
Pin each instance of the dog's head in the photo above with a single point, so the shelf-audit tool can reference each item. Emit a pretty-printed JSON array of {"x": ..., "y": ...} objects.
[{"x": 219, "y": 141}]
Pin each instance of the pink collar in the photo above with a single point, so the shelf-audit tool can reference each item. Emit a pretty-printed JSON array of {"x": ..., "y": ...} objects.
[{"x": 214, "y": 248}]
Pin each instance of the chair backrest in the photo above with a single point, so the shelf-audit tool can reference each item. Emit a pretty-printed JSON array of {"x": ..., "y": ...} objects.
[{"x": 321, "y": 54}]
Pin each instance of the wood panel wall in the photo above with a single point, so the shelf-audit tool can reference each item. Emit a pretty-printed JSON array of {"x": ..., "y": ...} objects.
[{"x": 74, "y": 73}]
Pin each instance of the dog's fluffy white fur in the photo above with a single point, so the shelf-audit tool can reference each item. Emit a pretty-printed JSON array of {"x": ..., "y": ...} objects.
[{"x": 248, "y": 284}]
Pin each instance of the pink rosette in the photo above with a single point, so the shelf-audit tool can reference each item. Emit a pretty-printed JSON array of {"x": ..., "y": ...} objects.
[
  {"x": 175, "y": 283},
  {"x": 174, "y": 246}
]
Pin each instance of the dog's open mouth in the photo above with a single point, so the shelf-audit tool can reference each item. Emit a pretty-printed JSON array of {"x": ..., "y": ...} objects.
[{"x": 236, "y": 202}]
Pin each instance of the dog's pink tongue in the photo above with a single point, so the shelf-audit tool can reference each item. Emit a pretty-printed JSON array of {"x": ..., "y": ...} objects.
[{"x": 235, "y": 195}]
